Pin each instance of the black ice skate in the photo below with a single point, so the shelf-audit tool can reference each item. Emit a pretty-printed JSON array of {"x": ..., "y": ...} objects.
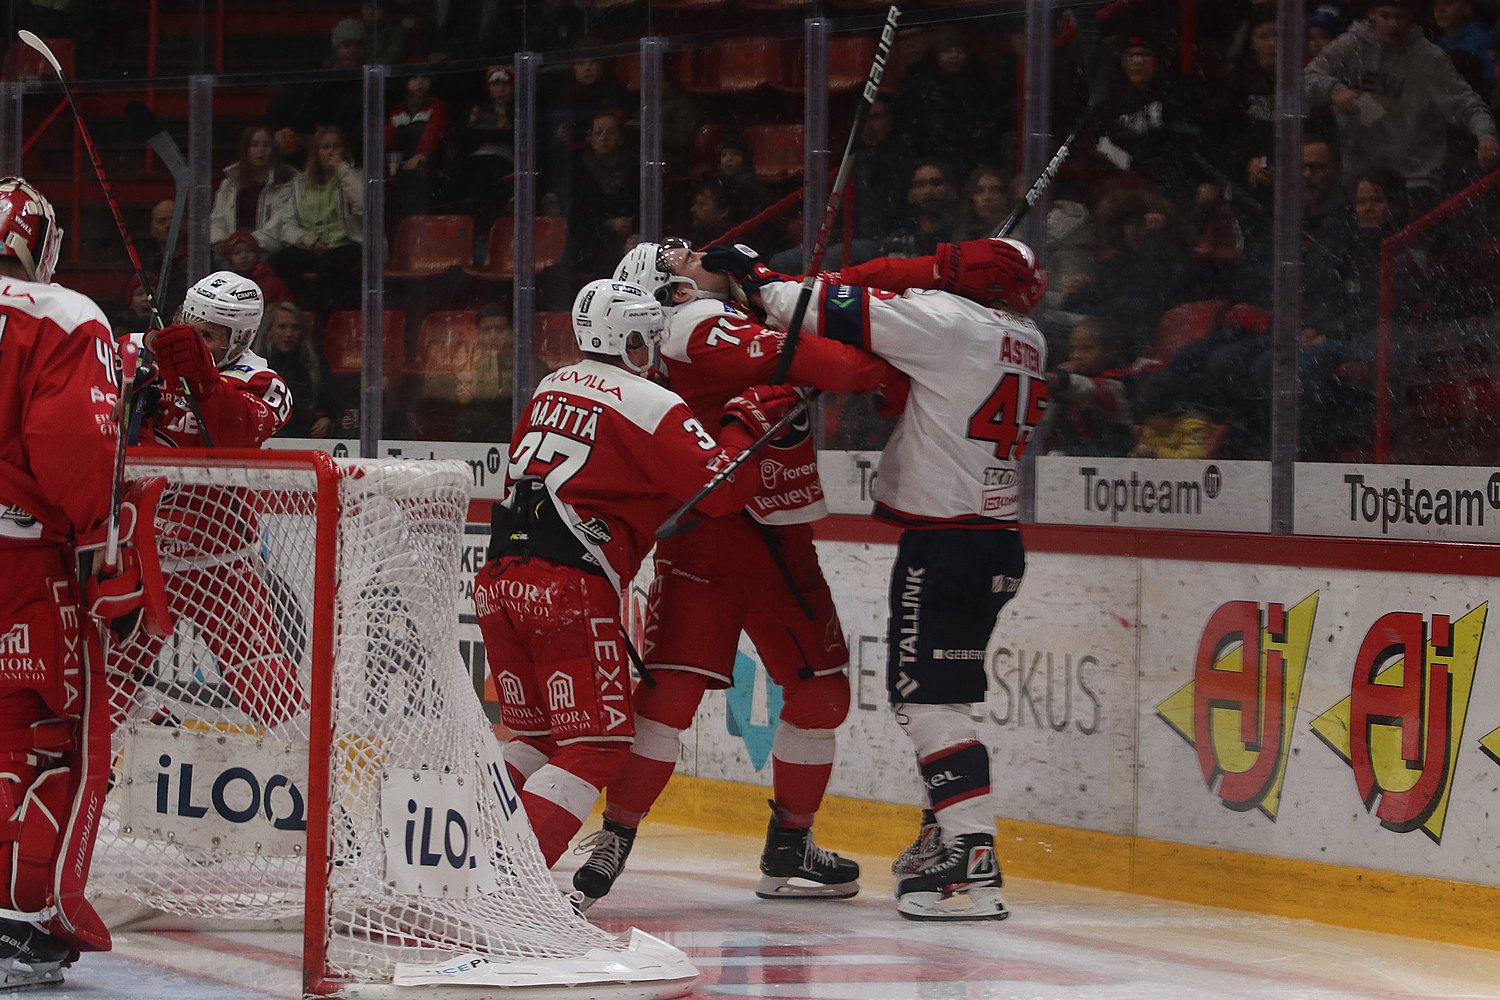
[
  {"x": 923, "y": 851},
  {"x": 609, "y": 848},
  {"x": 793, "y": 866},
  {"x": 30, "y": 956},
  {"x": 964, "y": 884}
]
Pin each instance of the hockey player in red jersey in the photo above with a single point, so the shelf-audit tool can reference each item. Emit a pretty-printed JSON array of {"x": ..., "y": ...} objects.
[
  {"x": 213, "y": 391},
  {"x": 600, "y": 458},
  {"x": 58, "y": 386},
  {"x": 753, "y": 570},
  {"x": 949, "y": 478}
]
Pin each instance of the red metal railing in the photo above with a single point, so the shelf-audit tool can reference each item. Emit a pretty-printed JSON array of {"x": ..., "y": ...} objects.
[{"x": 1388, "y": 250}]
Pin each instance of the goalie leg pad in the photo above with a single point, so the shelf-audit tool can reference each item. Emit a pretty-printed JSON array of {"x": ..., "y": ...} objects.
[{"x": 39, "y": 804}]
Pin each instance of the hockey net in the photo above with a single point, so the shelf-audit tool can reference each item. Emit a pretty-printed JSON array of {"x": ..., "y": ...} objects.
[{"x": 307, "y": 744}]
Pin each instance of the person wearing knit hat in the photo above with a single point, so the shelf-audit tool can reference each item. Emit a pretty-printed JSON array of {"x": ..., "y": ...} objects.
[
  {"x": 1323, "y": 25},
  {"x": 242, "y": 250}
]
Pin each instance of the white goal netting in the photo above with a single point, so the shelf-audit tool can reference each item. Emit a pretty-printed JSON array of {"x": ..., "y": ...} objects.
[{"x": 307, "y": 745}]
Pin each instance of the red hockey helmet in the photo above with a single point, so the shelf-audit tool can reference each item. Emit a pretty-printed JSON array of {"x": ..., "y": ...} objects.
[
  {"x": 996, "y": 270},
  {"x": 28, "y": 230}
]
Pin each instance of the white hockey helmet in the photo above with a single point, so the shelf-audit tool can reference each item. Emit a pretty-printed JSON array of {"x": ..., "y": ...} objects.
[
  {"x": 28, "y": 228},
  {"x": 616, "y": 317},
  {"x": 230, "y": 300},
  {"x": 648, "y": 266}
]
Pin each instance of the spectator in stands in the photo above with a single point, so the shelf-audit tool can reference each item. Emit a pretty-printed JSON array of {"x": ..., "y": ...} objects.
[
  {"x": 1143, "y": 267},
  {"x": 487, "y": 142},
  {"x": 882, "y": 174},
  {"x": 713, "y": 211},
  {"x": 134, "y": 314},
  {"x": 299, "y": 110},
  {"x": 932, "y": 211},
  {"x": 155, "y": 256},
  {"x": 1167, "y": 424},
  {"x": 1469, "y": 42},
  {"x": 252, "y": 194},
  {"x": 1327, "y": 266},
  {"x": 1324, "y": 24},
  {"x": 414, "y": 134},
  {"x": 572, "y": 108},
  {"x": 322, "y": 228},
  {"x": 1249, "y": 137},
  {"x": 284, "y": 342},
  {"x": 1151, "y": 124},
  {"x": 1089, "y": 406},
  {"x": 243, "y": 255},
  {"x": 604, "y": 196},
  {"x": 1070, "y": 250},
  {"x": 986, "y": 203},
  {"x": 478, "y": 419},
  {"x": 1395, "y": 93},
  {"x": 1379, "y": 210},
  {"x": 736, "y": 169},
  {"x": 946, "y": 103},
  {"x": 494, "y": 358}
]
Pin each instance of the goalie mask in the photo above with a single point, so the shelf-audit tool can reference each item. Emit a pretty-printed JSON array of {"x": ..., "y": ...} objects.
[
  {"x": 28, "y": 229},
  {"x": 229, "y": 300},
  {"x": 615, "y": 318}
]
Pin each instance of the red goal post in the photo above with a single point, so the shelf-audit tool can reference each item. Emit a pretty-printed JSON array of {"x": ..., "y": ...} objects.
[{"x": 306, "y": 744}]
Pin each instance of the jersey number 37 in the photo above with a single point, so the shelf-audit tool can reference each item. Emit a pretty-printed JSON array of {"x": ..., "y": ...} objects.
[{"x": 1010, "y": 414}]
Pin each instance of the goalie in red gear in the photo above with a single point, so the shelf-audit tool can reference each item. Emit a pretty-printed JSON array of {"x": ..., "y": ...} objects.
[
  {"x": 753, "y": 570},
  {"x": 211, "y": 390},
  {"x": 58, "y": 387},
  {"x": 600, "y": 458}
]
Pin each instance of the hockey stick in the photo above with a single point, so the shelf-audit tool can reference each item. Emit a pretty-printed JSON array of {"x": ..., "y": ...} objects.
[
  {"x": 128, "y": 357},
  {"x": 836, "y": 195},
  {"x": 88, "y": 144},
  {"x": 675, "y": 524},
  {"x": 114, "y": 208},
  {"x": 149, "y": 129}
]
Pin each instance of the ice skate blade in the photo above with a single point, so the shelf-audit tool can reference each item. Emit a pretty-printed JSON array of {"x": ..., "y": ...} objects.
[
  {"x": 778, "y": 887},
  {"x": 16, "y": 975},
  {"x": 975, "y": 904}
]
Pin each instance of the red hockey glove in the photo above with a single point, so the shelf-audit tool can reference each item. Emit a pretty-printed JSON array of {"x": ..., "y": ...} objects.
[
  {"x": 890, "y": 397},
  {"x": 760, "y": 407},
  {"x": 995, "y": 270},
  {"x": 180, "y": 352},
  {"x": 742, "y": 264},
  {"x": 133, "y": 595}
]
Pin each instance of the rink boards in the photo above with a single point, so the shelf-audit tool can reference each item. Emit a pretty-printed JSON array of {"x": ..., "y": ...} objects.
[{"x": 1304, "y": 726}]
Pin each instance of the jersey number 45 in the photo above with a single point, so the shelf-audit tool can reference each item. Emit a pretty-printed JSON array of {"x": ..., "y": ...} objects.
[{"x": 1010, "y": 414}]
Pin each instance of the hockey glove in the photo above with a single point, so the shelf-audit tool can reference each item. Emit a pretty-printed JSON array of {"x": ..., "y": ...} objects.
[
  {"x": 742, "y": 264},
  {"x": 180, "y": 352},
  {"x": 760, "y": 407},
  {"x": 890, "y": 397},
  {"x": 133, "y": 594}
]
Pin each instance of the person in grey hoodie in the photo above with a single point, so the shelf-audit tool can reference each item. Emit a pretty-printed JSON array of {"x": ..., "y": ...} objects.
[{"x": 1394, "y": 93}]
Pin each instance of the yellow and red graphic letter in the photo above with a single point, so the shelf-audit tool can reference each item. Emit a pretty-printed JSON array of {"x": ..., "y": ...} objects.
[
  {"x": 1237, "y": 711},
  {"x": 1400, "y": 727}
]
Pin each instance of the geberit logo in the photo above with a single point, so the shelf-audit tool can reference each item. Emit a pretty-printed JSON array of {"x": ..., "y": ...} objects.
[
  {"x": 1407, "y": 502},
  {"x": 1135, "y": 495}
]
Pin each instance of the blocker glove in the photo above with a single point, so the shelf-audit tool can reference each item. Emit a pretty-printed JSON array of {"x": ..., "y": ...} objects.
[
  {"x": 180, "y": 352},
  {"x": 760, "y": 407},
  {"x": 742, "y": 264}
]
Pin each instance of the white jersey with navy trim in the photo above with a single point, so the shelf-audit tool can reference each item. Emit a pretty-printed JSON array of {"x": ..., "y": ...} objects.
[{"x": 978, "y": 390}]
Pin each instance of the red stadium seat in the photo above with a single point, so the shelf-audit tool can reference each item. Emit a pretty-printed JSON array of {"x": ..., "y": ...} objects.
[
  {"x": 426, "y": 245},
  {"x": 778, "y": 150},
  {"x": 736, "y": 67},
  {"x": 447, "y": 341},
  {"x": 704, "y": 159},
  {"x": 499, "y": 254},
  {"x": 849, "y": 58},
  {"x": 342, "y": 342},
  {"x": 1185, "y": 324},
  {"x": 553, "y": 342}
]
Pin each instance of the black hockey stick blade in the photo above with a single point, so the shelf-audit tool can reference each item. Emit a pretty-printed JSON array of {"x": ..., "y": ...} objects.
[{"x": 148, "y": 129}]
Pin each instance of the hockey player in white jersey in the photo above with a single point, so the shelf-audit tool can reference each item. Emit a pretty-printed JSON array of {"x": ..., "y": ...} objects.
[{"x": 948, "y": 477}]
